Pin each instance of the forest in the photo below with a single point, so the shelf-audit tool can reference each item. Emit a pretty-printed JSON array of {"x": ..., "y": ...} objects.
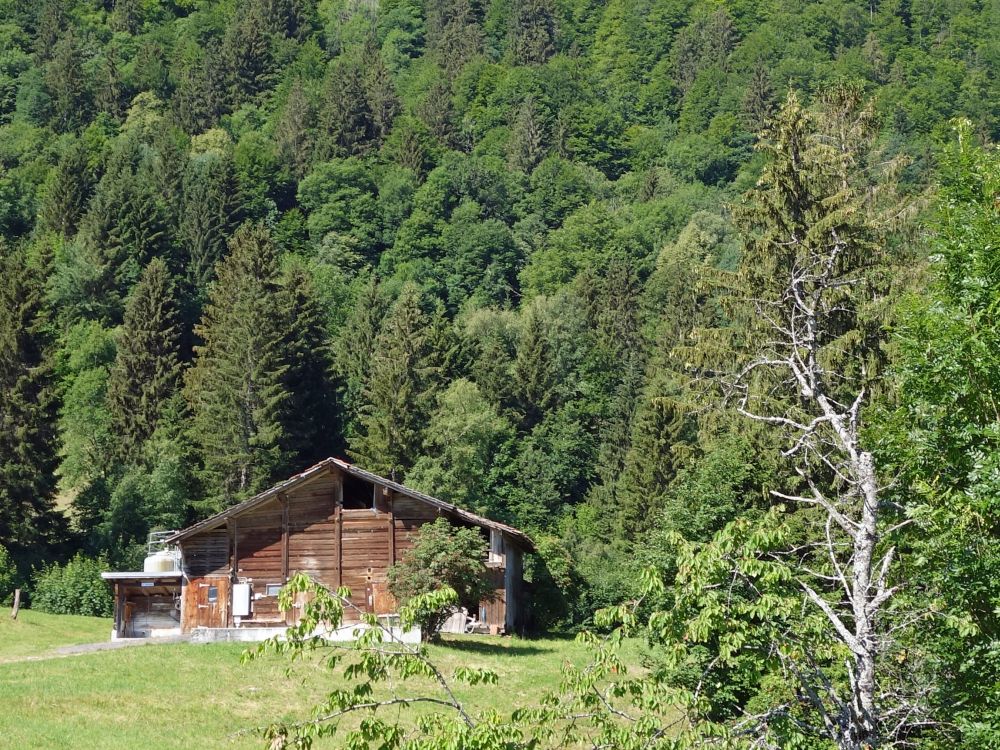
[{"x": 532, "y": 257}]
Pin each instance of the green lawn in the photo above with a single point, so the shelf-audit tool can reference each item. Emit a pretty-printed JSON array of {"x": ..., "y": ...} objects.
[
  {"x": 37, "y": 634},
  {"x": 200, "y": 696}
]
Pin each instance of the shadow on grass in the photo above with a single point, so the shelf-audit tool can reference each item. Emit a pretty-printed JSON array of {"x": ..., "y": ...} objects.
[{"x": 502, "y": 647}]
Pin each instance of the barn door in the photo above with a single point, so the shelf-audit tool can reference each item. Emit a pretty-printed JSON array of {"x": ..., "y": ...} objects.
[{"x": 211, "y": 602}]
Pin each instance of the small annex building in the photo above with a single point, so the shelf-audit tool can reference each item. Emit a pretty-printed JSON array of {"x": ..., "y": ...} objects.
[{"x": 340, "y": 524}]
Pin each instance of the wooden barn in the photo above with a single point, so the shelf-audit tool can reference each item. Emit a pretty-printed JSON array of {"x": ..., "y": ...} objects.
[{"x": 340, "y": 524}]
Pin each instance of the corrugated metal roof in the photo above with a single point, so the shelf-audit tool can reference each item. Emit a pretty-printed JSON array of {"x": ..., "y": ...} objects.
[{"x": 313, "y": 471}]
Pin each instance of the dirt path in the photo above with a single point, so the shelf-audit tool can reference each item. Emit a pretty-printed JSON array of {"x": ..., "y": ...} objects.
[{"x": 90, "y": 648}]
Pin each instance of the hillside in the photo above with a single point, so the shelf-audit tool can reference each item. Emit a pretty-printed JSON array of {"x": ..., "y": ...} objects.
[{"x": 508, "y": 252}]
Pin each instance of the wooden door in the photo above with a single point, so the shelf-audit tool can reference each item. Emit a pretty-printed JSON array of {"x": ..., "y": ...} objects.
[{"x": 211, "y": 602}]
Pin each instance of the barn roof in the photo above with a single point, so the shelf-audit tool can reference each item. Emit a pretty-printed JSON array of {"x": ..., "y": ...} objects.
[{"x": 313, "y": 471}]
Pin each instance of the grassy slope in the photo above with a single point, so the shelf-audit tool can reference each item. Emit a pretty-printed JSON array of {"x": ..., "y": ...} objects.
[
  {"x": 37, "y": 634},
  {"x": 199, "y": 696}
]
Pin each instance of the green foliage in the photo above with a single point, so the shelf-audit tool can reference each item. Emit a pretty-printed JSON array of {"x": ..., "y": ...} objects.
[
  {"x": 8, "y": 574},
  {"x": 399, "y": 389},
  {"x": 236, "y": 386},
  {"x": 75, "y": 588},
  {"x": 146, "y": 371},
  {"x": 444, "y": 560},
  {"x": 941, "y": 440},
  {"x": 28, "y": 440}
]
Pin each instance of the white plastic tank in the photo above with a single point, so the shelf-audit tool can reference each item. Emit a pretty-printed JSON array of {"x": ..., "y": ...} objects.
[{"x": 163, "y": 561}]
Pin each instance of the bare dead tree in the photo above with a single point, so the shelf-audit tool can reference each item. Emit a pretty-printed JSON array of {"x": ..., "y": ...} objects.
[{"x": 824, "y": 422}]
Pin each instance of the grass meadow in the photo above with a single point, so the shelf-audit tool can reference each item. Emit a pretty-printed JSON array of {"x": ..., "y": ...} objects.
[{"x": 182, "y": 695}]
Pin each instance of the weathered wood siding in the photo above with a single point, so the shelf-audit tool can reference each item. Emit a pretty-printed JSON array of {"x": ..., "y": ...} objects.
[
  {"x": 306, "y": 530},
  {"x": 207, "y": 554}
]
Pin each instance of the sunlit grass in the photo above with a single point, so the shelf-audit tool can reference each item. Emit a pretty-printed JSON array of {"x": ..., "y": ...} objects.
[{"x": 199, "y": 696}]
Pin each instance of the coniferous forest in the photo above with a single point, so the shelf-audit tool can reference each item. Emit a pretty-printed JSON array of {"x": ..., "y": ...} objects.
[{"x": 673, "y": 285}]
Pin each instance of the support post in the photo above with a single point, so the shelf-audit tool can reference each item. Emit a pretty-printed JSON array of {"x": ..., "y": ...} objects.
[{"x": 284, "y": 536}]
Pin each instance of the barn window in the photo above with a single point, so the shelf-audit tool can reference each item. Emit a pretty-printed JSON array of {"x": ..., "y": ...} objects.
[
  {"x": 358, "y": 494},
  {"x": 496, "y": 548},
  {"x": 272, "y": 589},
  {"x": 213, "y": 594}
]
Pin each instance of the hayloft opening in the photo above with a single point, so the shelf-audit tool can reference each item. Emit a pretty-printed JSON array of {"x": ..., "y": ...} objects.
[{"x": 359, "y": 494}]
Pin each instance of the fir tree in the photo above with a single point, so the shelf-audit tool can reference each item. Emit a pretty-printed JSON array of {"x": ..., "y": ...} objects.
[
  {"x": 236, "y": 387},
  {"x": 111, "y": 90},
  {"x": 294, "y": 133},
  {"x": 312, "y": 430},
  {"x": 436, "y": 110},
  {"x": 531, "y": 38},
  {"x": 399, "y": 391},
  {"x": 65, "y": 81},
  {"x": 662, "y": 434},
  {"x": 210, "y": 212},
  {"x": 534, "y": 375},
  {"x": 246, "y": 52},
  {"x": 758, "y": 101},
  {"x": 382, "y": 100},
  {"x": 201, "y": 93},
  {"x": 66, "y": 192},
  {"x": 348, "y": 119},
  {"x": 355, "y": 347},
  {"x": 146, "y": 372},
  {"x": 124, "y": 226},
  {"x": 28, "y": 412},
  {"x": 527, "y": 141},
  {"x": 127, "y": 16}
]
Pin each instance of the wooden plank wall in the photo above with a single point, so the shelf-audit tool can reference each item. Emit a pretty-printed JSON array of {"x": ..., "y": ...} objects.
[
  {"x": 207, "y": 554},
  {"x": 305, "y": 530}
]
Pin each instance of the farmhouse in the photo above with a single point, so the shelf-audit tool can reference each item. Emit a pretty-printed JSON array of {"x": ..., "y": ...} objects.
[{"x": 340, "y": 524}]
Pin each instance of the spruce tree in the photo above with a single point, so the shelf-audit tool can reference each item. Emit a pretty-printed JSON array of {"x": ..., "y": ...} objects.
[
  {"x": 124, "y": 227},
  {"x": 312, "y": 425},
  {"x": 146, "y": 372},
  {"x": 294, "y": 135},
  {"x": 209, "y": 213},
  {"x": 28, "y": 412},
  {"x": 662, "y": 435},
  {"x": 531, "y": 38},
  {"x": 236, "y": 387},
  {"x": 66, "y": 192},
  {"x": 65, "y": 81},
  {"x": 346, "y": 114},
  {"x": 527, "y": 139},
  {"x": 399, "y": 391},
  {"x": 355, "y": 346},
  {"x": 436, "y": 110},
  {"x": 534, "y": 375},
  {"x": 246, "y": 52},
  {"x": 382, "y": 99}
]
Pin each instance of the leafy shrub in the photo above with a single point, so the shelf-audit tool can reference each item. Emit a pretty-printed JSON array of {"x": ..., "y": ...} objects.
[
  {"x": 7, "y": 574},
  {"x": 75, "y": 588},
  {"x": 443, "y": 557}
]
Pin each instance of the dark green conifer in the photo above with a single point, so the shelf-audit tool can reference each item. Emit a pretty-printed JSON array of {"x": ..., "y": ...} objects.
[
  {"x": 67, "y": 84},
  {"x": 146, "y": 371},
  {"x": 66, "y": 192},
  {"x": 247, "y": 52},
  {"x": 662, "y": 435},
  {"x": 29, "y": 409},
  {"x": 532, "y": 31},
  {"x": 236, "y": 387},
  {"x": 399, "y": 392},
  {"x": 313, "y": 429},
  {"x": 294, "y": 135},
  {"x": 534, "y": 374},
  {"x": 346, "y": 116},
  {"x": 209, "y": 213},
  {"x": 527, "y": 139},
  {"x": 356, "y": 345}
]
